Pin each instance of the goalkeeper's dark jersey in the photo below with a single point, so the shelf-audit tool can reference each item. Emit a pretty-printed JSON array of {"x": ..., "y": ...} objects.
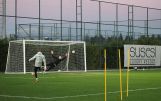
[{"x": 56, "y": 60}]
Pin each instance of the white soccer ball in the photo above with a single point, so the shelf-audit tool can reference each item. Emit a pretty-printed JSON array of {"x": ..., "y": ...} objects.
[{"x": 73, "y": 51}]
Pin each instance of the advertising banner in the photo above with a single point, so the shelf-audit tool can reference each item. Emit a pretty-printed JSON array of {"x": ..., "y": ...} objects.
[{"x": 142, "y": 55}]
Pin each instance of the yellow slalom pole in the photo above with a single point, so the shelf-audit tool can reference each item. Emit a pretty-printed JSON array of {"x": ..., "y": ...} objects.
[
  {"x": 105, "y": 75},
  {"x": 120, "y": 75},
  {"x": 127, "y": 79}
]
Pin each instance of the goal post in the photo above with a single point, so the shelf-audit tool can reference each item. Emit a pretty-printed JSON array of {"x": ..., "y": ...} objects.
[{"x": 20, "y": 51}]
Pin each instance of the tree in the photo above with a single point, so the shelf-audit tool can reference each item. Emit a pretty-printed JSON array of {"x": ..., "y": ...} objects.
[{"x": 3, "y": 53}]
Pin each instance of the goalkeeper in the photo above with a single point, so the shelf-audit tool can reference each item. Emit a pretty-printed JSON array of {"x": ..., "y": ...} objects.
[
  {"x": 39, "y": 60},
  {"x": 55, "y": 61}
]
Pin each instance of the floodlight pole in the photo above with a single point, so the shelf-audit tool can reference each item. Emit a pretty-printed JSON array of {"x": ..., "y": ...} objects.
[
  {"x": 39, "y": 19},
  {"x": 130, "y": 22},
  {"x": 100, "y": 33},
  {"x": 52, "y": 32},
  {"x": 79, "y": 18},
  {"x": 76, "y": 20},
  {"x": 16, "y": 19},
  {"x": 117, "y": 30},
  {"x": 147, "y": 26},
  {"x": 160, "y": 21},
  {"x": 61, "y": 18},
  {"x": 30, "y": 31},
  {"x": 99, "y": 18},
  {"x": 4, "y": 35}
]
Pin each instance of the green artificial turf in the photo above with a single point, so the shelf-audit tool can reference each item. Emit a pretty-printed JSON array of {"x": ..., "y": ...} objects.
[{"x": 89, "y": 86}]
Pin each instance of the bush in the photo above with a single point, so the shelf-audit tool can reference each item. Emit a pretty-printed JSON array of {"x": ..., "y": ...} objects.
[{"x": 3, "y": 54}]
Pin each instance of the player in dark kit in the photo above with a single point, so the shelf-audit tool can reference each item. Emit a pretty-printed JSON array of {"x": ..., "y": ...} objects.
[{"x": 55, "y": 61}]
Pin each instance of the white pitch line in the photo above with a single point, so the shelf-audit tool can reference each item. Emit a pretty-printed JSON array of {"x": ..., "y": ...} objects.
[
  {"x": 134, "y": 90},
  {"x": 16, "y": 78},
  {"x": 25, "y": 78},
  {"x": 49, "y": 98},
  {"x": 75, "y": 96}
]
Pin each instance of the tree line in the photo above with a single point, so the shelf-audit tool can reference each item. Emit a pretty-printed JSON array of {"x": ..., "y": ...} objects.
[
  {"x": 96, "y": 45},
  {"x": 95, "y": 49}
]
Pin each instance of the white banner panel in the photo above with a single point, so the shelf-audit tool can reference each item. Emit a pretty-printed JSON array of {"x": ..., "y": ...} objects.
[{"x": 142, "y": 55}]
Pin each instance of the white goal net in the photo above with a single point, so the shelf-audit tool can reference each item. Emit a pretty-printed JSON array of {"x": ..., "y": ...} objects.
[{"x": 20, "y": 51}]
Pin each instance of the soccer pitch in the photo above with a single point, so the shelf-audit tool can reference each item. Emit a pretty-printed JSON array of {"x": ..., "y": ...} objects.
[{"x": 80, "y": 86}]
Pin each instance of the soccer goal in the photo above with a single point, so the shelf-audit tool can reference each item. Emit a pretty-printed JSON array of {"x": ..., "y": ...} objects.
[{"x": 20, "y": 51}]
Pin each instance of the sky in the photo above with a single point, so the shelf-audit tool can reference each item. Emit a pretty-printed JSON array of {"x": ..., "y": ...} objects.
[
  {"x": 29, "y": 5},
  {"x": 51, "y": 9},
  {"x": 146, "y": 3}
]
